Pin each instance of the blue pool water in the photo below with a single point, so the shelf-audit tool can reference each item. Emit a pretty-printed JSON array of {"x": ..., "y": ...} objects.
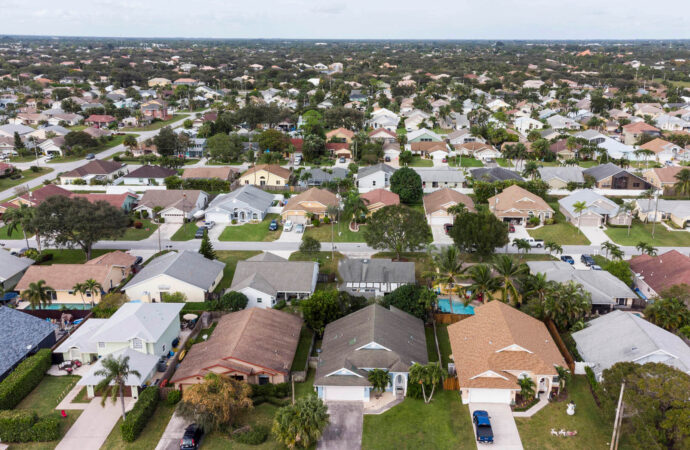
[
  {"x": 59, "y": 306},
  {"x": 458, "y": 307}
]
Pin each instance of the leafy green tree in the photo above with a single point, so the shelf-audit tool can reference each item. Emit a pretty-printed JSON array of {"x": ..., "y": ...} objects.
[
  {"x": 354, "y": 206},
  {"x": 448, "y": 266},
  {"x": 411, "y": 298},
  {"x": 379, "y": 379},
  {"x": 531, "y": 170},
  {"x": 273, "y": 140},
  {"x": 309, "y": 245},
  {"x": 405, "y": 158},
  {"x": 174, "y": 297},
  {"x": 682, "y": 184},
  {"x": 565, "y": 304},
  {"x": 479, "y": 232},
  {"x": 206, "y": 248},
  {"x": 38, "y": 294},
  {"x": 427, "y": 375},
  {"x": 407, "y": 184},
  {"x": 301, "y": 425},
  {"x": 166, "y": 142},
  {"x": 130, "y": 142},
  {"x": 398, "y": 229},
  {"x": 620, "y": 269},
  {"x": 324, "y": 307},
  {"x": 115, "y": 372},
  {"x": 81, "y": 139},
  {"x": 222, "y": 148},
  {"x": 670, "y": 313},
  {"x": 313, "y": 147},
  {"x": 19, "y": 219},
  {"x": 231, "y": 301}
]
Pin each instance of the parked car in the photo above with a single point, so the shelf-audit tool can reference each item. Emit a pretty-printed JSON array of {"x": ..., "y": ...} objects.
[
  {"x": 299, "y": 228},
  {"x": 342, "y": 160},
  {"x": 273, "y": 226},
  {"x": 512, "y": 228},
  {"x": 192, "y": 437},
  {"x": 447, "y": 227},
  {"x": 90, "y": 156},
  {"x": 288, "y": 225},
  {"x": 595, "y": 267},
  {"x": 538, "y": 243},
  {"x": 199, "y": 233},
  {"x": 138, "y": 261},
  {"x": 587, "y": 260},
  {"x": 567, "y": 258},
  {"x": 482, "y": 426},
  {"x": 210, "y": 224},
  {"x": 387, "y": 159}
]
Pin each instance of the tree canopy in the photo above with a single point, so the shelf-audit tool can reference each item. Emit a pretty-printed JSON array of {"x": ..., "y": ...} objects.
[
  {"x": 407, "y": 184},
  {"x": 411, "y": 298},
  {"x": 398, "y": 229},
  {"x": 479, "y": 232}
]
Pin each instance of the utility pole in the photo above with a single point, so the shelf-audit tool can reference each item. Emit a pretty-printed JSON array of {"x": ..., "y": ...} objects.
[{"x": 618, "y": 421}]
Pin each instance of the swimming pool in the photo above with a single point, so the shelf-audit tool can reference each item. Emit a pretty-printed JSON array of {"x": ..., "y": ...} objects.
[
  {"x": 59, "y": 306},
  {"x": 458, "y": 306}
]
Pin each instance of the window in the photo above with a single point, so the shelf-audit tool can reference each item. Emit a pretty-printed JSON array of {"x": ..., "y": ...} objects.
[
  {"x": 101, "y": 345},
  {"x": 373, "y": 183},
  {"x": 636, "y": 184},
  {"x": 258, "y": 300},
  {"x": 277, "y": 182},
  {"x": 136, "y": 343}
]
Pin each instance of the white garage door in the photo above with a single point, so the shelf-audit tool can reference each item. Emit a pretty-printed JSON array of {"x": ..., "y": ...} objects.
[
  {"x": 297, "y": 219},
  {"x": 489, "y": 396},
  {"x": 343, "y": 393},
  {"x": 440, "y": 220},
  {"x": 218, "y": 217}
]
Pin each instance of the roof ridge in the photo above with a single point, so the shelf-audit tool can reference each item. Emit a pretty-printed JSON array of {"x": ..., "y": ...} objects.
[{"x": 247, "y": 319}]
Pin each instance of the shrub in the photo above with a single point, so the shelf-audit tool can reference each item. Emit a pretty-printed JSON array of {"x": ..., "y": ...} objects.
[
  {"x": 25, "y": 426},
  {"x": 280, "y": 305},
  {"x": 35, "y": 169},
  {"x": 138, "y": 224},
  {"x": 138, "y": 417},
  {"x": 593, "y": 383},
  {"x": 534, "y": 221},
  {"x": 315, "y": 221},
  {"x": 161, "y": 220},
  {"x": 144, "y": 214},
  {"x": 230, "y": 301},
  {"x": 79, "y": 182},
  {"x": 234, "y": 221},
  {"x": 255, "y": 436},
  {"x": 326, "y": 220},
  {"x": 25, "y": 377},
  {"x": 173, "y": 397}
]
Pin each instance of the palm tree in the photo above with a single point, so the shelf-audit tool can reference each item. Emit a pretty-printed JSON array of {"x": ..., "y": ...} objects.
[
  {"x": 682, "y": 186},
  {"x": 608, "y": 246},
  {"x": 509, "y": 272},
  {"x": 579, "y": 208},
  {"x": 617, "y": 253},
  {"x": 484, "y": 284},
  {"x": 536, "y": 287},
  {"x": 19, "y": 219},
  {"x": 527, "y": 386},
  {"x": 646, "y": 248},
  {"x": 531, "y": 170},
  {"x": 552, "y": 247},
  {"x": 448, "y": 266},
  {"x": 301, "y": 425},
  {"x": 92, "y": 286},
  {"x": 522, "y": 244},
  {"x": 38, "y": 294},
  {"x": 80, "y": 288},
  {"x": 115, "y": 373},
  {"x": 628, "y": 208},
  {"x": 563, "y": 377},
  {"x": 354, "y": 208},
  {"x": 429, "y": 374},
  {"x": 379, "y": 379}
]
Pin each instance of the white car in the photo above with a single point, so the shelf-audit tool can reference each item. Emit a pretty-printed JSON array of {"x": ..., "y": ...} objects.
[
  {"x": 210, "y": 224},
  {"x": 287, "y": 226}
]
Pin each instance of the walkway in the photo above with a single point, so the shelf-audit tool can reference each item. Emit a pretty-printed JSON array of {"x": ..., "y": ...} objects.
[
  {"x": 380, "y": 405},
  {"x": 543, "y": 401},
  {"x": 94, "y": 425},
  {"x": 66, "y": 402},
  {"x": 344, "y": 432}
]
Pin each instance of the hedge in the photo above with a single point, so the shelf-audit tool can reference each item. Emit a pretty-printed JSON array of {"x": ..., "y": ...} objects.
[
  {"x": 25, "y": 426},
  {"x": 24, "y": 378},
  {"x": 255, "y": 436},
  {"x": 138, "y": 417}
]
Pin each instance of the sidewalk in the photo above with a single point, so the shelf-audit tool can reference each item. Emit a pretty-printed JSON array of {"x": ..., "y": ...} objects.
[
  {"x": 66, "y": 402},
  {"x": 543, "y": 401}
]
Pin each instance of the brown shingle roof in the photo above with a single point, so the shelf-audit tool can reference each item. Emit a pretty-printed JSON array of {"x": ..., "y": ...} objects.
[
  {"x": 517, "y": 198},
  {"x": 663, "y": 271},
  {"x": 116, "y": 258},
  {"x": 317, "y": 195},
  {"x": 667, "y": 175},
  {"x": 95, "y": 167},
  {"x": 639, "y": 127},
  {"x": 116, "y": 200},
  {"x": 62, "y": 277},
  {"x": 271, "y": 168},
  {"x": 442, "y": 199},
  {"x": 184, "y": 200},
  {"x": 382, "y": 196},
  {"x": 428, "y": 146},
  {"x": 224, "y": 173},
  {"x": 657, "y": 145}
]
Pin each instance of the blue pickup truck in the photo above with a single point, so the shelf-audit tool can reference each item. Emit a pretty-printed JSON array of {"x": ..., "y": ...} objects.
[{"x": 482, "y": 426}]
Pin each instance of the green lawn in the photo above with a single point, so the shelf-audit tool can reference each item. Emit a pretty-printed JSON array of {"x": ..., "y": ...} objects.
[
  {"x": 642, "y": 232},
  {"x": 16, "y": 234},
  {"x": 71, "y": 256},
  {"x": 23, "y": 159},
  {"x": 137, "y": 234},
  {"x": 593, "y": 430},
  {"x": 587, "y": 164},
  {"x": 442, "y": 424},
  {"x": 254, "y": 232},
  {"x": 27, "y": 175},
  {"x": 444, "y": 343},
  {"x": 341, "y": 233},
  {"x": 302, "y": 353},
  {"x": 115, "y": 141},
  {"x": 419, "y": 162},
  {"x": 561, "y": 233},
  {"x": 430, "y": 344},
  {"x": 326, "y": 263},
  {"x": 465, "y": 161},
  {"x": 504, "y": 162},
  {"x": 149, "y": 437},
  {"x": 306, "y": 388},
  {"x": 230, "y": 258},
  {"x": 185, "y": 232},
  {"x": 157, "y": 125}
]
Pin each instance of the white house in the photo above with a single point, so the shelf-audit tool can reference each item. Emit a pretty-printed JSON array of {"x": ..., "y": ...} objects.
[
  {"x": 248, "y": 203},
  {"x": 526, "y": 124},
  {"x": 148, "y": 175},
  {"x": 374, "y": 277},
  {"x": 187, "y": 272},
  {"x": 559, "y": 122},
  {"x": 374, "y": 177},
  {"x": 177, "y": 205}
]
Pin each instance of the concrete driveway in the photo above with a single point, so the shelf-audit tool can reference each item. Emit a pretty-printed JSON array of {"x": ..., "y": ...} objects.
[
  {"x": 506, "y": 436},
  {"x": 440, "y": 236},
  {"x": 94, "y": 425},
  {"x": 345, "y": 430},
  {"x": 173, "y": 433}
]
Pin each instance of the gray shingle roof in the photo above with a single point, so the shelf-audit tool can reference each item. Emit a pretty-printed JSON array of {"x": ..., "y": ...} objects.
[
  {"x": 321, "y": 176},
  {"x": 375, "y": 271},
  {"x": 280, "y": 276},
  {"x": 190, "y": 267},
  {"x": 19, "y": 331},
  {"x": 146, "y": 321},
  {"x": 448, "y": 175},
  {"x": 11, "y": 265},
  {"x": 603, "y": 171},
  {"x": 494, "y": 174},
  {"x": 366, "y": 171},
  {"x": 247, "y": 195},
  {"x": 562, "y": 173},
  {"x": 596, "y": 203},
  {"x": 400, "y": 333}
]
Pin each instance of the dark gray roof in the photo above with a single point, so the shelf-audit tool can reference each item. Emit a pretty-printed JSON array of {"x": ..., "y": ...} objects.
[
  {"x": 603, "y": 171},
  {"x": 366, "y": 171},
  {"x": 271, "y": 276},
  {"x": 375, "y": 271},
  {"x": 321, "y": 176},
  {"x": 11, "y": 265},
  {"x": 187, "y": 266},
  {"x": 398, "y": 339},
  {"x": 494, "y": 174},
  {"x": 149, "y": 171},
  {"x": 19, "y": 331}
]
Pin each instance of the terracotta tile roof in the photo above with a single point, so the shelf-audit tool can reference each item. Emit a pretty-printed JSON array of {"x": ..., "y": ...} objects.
[
  {"x": 516, "y": 198},
  {"x": 116, "y": 200},
  {"x": 340, "y": 131},
  {"x": 40, "y": 195},
  {"x": 315, "y": 195},
  {"x": 63, "y": 277},
  {"x": 442, "y": 199},
  {"x": 99, "y": 118},
  {"x": 479, "y": 344},
  {"x": 258, "y": 336},
  {"x": 428, "y": 146},
  {"x": 667, "y": 175},
  {"x": 639, "y": 127},
  {"x": 472, "y": 146},
  {"x": 657, "y": 145},
  {"x": 271, "y": 168},
  {"x": 662, "y": 271},
  {"x": 384, "y": 131},
  {"x": 334, "y": 146},
  {"x": 380, "y": 196}
]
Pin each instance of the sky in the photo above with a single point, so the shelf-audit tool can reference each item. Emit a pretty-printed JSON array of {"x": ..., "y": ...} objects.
[{"x": 351, "y": 19}]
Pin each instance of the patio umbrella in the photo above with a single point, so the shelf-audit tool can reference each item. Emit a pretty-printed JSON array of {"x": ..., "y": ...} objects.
[{"x": 189, "y": 316}]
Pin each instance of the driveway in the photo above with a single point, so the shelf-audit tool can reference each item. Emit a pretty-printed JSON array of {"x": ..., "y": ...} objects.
[
  {"x": 506, "y": 436},
  {"x": 173, "y": 433},
  {"x": 440, "y": 236},
  {"x": 94, "y": 425},
  {"x": 595, "y": 235},
  {"x": 290, "y": 236},
  {"x": 345, "y": 430}
]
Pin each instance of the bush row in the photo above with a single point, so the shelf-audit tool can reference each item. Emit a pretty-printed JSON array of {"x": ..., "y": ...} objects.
[
  {"x": 138, "y": 417},
  {"x": 24, "y": 378},
  {"x": 255, "y": 436},
  {"x": 280, "y": 390},
  {"x": 25, "y": 426}
]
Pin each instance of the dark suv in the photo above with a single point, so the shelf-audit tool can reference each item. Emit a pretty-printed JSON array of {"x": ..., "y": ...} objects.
[
  {"x": 192, "y": 437},
  {"x": 587, "y": 260}
]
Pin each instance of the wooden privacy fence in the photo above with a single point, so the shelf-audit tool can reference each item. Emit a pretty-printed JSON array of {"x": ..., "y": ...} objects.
[
  {"x": 447, "y": 319},
  {"x": 451, "y": 384},
  {"x": 561, "y": 345}
]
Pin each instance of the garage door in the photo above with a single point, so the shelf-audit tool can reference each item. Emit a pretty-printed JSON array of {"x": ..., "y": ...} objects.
[
  {"x": 587, "y": 221},
  {"x": 489, "y": 396},
  {"x": 440, "y": 220},
  {"x": 343, "y": 393},
  {"x": 218, "y": 217},
  {"x": 297, "y": 219}
]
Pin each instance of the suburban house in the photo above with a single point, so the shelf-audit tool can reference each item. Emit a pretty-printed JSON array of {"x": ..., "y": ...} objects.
[
  {"x": 608, "y": 292},
  {"x": 382, "y": 134},
  {"x": 267, "y": 278},
  {"x": 52, "y": 146},
  {"x": 435, "y": 150},
  {"x": 374, "y": 177},
  {"x": 632, "y": 132},
  {"x": 266, "y": 175},
  {"x": 148, "y": 175},
  {"x": 143, "y": 332},
  {"x": 21, "y": 335},
  {"x": 255, "y": 345},
  {"x": 374, "y": 277},
  {"x": 654, "y": 274},
  {"x": 12, "y": 269},
  {"x": 559, "y": 177},
  {"x": 436, "y": 205},
  {"x": 663, "y": 150},
  {"x": 155, "y": 109},
  {"x": 515, "y": 204},
  {"x": 564, "y": 151},
  {"x": 176, "y": 206},
  {"x": 463, "y": 136},
  {"x": 423, "y": 135},
  {"x": 100, "y": 120},
  {"x": 61, "y": 279},
  {"x": 379, "y": 198},
  {"x": 496, "y": 347},
  {"x": 371, "y": 338},
  {"x": 663, "y": 177},
  {"x": 125, "y": 201},
  {"x": 35, "y": 198},
  {"x": 340, "y": 135},
  {"x": 245, "y": 204},
  {"x": 610, "y": 176},
  {"x": 600, "y": 210},
  {"x": 677, "y": 211},
  {"x": 491, "y": 174},
  {"x": 318, "y": 176},
  {"x": 97, "y": 170},
  {"x": 558, "y": 122},
  {"x": 314, "y": 202},
  {"x": 526, "y": 124},
  {"x": 623, "y": 336},
  {"x": 187, "y": 272},
  {"x": 439, "y": 178},
  {"x": 224, "y": 173},
  {"x": 478, "y": 150}
]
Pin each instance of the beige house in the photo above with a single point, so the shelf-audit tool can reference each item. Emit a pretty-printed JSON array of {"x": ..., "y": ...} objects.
[
  {"x": 496, "y": 347},
  {"x": 266, "y": 175},
  {"x": 154, "y": 82},
  {"x": 255, "y": 345},
  {"x": 315, "y": 201},
  {"x": 516, "y": 204},
  {"x": 378, "y": 198},
  {"x": 663, "y": 177},
  {"x": 437, "y": 203},
  {"x": 341, "y": 134},
  {"x": 98, "y": 169}
]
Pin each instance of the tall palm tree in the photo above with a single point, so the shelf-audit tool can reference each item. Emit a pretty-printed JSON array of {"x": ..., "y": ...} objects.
[
  {"x": 508, "y": 272},
  {"x": 536, "y": 287},
  {"x": 92, "y": 286},
  {"x": 484, "y": 284},
  {"x": 80, "y": 288},
  {"x": 19, "y": 219},
  {"x": 564, "y": 376},
  {"x": 531, "y": 170},
  {"x": 608, "y": 246},
  {"x": 552, "y": 247},
  {"x": 579, "y": 208},
  {"x": 522, "y": 244},
  {"x": 429, "y": 374},
  {"x": 38, "y": 294},
  {"x": 617, "y": 253},
  {"x": 354, "y": 207},
  {"x": 682, "y": 185},
  {"x": 628, "y": 208},
  {"x": 448, "y": 266},
  {"x": 115, "y": 373}
]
